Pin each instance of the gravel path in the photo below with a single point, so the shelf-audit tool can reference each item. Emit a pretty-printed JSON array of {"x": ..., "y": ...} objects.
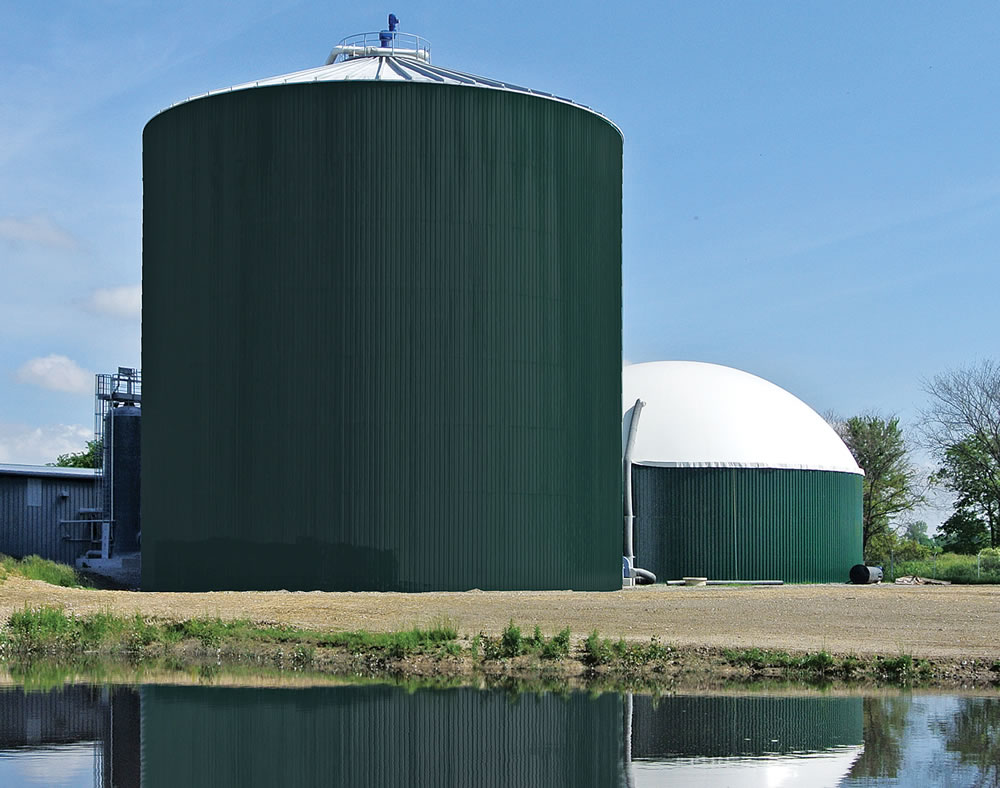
[{"x": 926, "y": 621}]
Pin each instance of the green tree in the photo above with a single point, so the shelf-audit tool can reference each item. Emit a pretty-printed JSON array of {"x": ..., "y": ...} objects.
[
  {"x": 89, "y": 458},
  {"x": 916, "y": 531},
  {"x": 964, "y": 532},
  {"x": 969, "y": 470},
  {"x": 892, "y": 485},
  {"x": 961, "y": 425}
]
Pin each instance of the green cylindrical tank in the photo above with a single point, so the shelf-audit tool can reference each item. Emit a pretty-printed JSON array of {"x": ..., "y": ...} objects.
[
  {"x": 799, "y": 526},
  {"x": 734, "y": 478},
  {"x": 381, "y": 336}
]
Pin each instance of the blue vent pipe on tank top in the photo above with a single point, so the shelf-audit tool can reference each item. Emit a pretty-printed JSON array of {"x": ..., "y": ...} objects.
[{"x": 386, "y": 36}]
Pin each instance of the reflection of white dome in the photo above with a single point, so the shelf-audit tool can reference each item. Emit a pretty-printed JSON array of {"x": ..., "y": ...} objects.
[
  {"x": 706, "y": 415},
  {"x": 819, "y": 770}
]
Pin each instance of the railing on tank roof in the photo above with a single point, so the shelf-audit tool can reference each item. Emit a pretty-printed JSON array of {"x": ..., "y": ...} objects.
[{"x": 384, "y": 43}]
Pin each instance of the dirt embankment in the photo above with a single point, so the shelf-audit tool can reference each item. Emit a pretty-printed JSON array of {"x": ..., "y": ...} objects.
[{"x": 932, "y": 622}]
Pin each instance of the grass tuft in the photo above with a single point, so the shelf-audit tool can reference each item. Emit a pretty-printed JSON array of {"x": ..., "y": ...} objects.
[{"x": 34, "y": 568}]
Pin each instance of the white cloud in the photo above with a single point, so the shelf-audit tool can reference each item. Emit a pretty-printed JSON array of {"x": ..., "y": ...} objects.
[
  {"x": 125, "y": 301},
  {"x": 39, "y": 230},
  {"x": 20, "y": 443},
  {"x": 57, "y": 373}
]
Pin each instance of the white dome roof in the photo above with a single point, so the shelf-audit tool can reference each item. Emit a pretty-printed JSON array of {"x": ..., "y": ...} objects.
[{"x": 706, "y": 415}]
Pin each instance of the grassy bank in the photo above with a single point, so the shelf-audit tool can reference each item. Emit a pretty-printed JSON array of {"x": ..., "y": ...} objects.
[
  {"x": 34, "y": 568},
  {"x": 44, "y": 641}
]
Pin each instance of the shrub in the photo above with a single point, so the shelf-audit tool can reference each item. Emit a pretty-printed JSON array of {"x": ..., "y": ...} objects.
[
  {"x": 819, "y": 662},
  {"x": 557, "y": 646},
  {"x": 511, "y": 644},
  {"x": 596, "y": 651}
]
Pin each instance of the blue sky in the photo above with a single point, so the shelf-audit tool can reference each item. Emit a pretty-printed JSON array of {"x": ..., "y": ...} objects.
[{"x": 811, "y": 190}]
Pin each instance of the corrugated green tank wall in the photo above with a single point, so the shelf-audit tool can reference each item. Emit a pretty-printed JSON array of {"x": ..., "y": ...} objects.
[
  {"x": 381, "y": 341},
  {"x": 747, "y": 523}
]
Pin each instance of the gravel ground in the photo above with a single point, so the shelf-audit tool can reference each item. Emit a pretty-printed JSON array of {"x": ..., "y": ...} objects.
[{"x": 954, "y": 622}]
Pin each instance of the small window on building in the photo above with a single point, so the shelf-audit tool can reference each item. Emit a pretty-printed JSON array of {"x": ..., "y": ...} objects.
[{"x": 34, "y": 492}]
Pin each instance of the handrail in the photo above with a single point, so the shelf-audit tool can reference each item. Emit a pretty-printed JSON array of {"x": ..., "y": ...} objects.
[{"x": 382, "y": 43}]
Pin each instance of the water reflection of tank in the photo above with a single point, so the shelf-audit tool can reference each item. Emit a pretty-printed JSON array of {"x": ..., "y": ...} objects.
[
  {"x": 378, "y": 736},
  {"x": 744, "y": 741},
  {"x": 122, "y": 452}
]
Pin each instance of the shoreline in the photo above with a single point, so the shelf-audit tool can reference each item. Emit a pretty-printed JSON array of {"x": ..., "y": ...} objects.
[
  {"x": 654, "y": 637},
  {"x": 48, "y": 645}
]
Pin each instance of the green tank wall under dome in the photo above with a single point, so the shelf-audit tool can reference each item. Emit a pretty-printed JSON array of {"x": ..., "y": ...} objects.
[
  {"x": 733, "y": 478},
  {"x": 381, "y": 336}
]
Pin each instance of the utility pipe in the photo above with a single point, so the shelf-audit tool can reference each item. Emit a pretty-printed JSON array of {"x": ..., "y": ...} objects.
[{"x": 643, "y": 576}]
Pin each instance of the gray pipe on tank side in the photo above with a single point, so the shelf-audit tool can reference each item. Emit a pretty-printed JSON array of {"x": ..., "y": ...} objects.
[
  {"x": 642, "y": 575},
  {"x": 627, "y": 472}
]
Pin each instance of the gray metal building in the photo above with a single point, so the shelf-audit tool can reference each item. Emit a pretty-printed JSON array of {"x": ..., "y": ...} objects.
[{"x": 38, "y": 507}]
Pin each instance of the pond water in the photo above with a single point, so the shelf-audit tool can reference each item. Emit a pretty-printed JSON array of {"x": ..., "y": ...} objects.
[{"x": 385, "y": 736}]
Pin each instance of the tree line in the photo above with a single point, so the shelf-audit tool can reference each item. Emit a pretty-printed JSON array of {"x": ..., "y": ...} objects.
[{"x": 960, "y": 427}]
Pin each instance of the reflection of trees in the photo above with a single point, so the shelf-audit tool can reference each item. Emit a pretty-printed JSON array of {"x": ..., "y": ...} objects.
[
  {"x": 885, "y": 719},
  {"x": 974, "y": 735}
]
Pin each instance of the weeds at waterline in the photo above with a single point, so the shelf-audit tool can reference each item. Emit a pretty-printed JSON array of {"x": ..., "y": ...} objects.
[{"x": 211, "y": 645}]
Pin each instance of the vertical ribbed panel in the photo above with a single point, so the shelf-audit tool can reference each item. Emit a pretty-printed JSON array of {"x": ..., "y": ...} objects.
[
  {"x": 747, "y": 523},
  {"x": 723, "y": 726},
  {"x": 35, "y": 530},
  {"x": 382, "y": 737},
  {"x": 381, "y": 341}
]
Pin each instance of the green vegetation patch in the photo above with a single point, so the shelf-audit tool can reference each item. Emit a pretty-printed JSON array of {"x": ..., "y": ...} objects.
[
  {"x": 623, "y": 654},
  {"x": 34, "y": 568},
  {"x": 53, "y": 631},
  {"x": 511, "y": 643},
  {"x": 954, "y": 567}
]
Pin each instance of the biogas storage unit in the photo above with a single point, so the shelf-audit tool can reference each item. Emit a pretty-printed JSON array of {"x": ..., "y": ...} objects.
[
  {"x": 381, "y": 332},
  {"x": 733, "y": 478}
]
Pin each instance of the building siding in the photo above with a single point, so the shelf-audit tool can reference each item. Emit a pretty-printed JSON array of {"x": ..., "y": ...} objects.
[
  {"x": 381, "y": 341},
  {"x": 747, "y": 523},
  {"x": 31, "y": 508}
]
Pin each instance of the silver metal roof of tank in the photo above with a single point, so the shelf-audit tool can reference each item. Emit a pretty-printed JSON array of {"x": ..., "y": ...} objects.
[{"x": 398, "y": 65}]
